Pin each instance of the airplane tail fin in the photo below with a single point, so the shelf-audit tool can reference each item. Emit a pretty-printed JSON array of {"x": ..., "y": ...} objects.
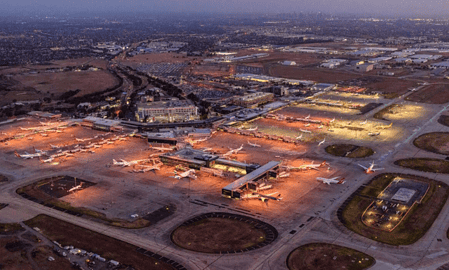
[
  {"x": 17, "y": 154},
  {"x": 341, "y": 181},
  {"x": 323, "y": 163},
  {"x": 114, "y": 161}
]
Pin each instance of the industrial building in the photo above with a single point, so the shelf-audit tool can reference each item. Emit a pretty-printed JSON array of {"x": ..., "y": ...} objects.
[
  {"x": 102, "y": 124},
  {"x": 167, "y": 111},
  {"x": 253, "y": 100}
]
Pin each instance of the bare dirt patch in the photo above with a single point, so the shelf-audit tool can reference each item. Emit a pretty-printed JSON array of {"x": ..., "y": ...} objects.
[
  {"x": 12, "y": 259},
  {"x": 327, "y": 257},
  {"x": 433, "y": 94},
  {"x": 437, "y": 142},
  {"x": 109, "y": 248}
]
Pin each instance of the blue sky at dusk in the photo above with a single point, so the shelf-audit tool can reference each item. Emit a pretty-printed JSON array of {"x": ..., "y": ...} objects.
[{"x": 374, "y": 7}]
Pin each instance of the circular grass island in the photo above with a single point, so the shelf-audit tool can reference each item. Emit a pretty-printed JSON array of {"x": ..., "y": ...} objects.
[
  {"x": 436, "y": 142},
  {"x": 327, "y": 257},
  {"x": 223, "y": 233},
  {"x": 425, "y": 164},
  {"x": 349, "y": 150},
  {"x": 444, "y": 120}
]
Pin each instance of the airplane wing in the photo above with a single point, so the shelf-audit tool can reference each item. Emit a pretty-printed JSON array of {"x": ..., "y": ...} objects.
[
  {"x": 365, "y": 168},
  {"x": 377, "y": 169}
]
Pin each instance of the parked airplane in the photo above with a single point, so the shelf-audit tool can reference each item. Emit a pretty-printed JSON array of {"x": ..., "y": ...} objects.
[
  {"x": 147, "y": 168},
  {"x": 307, "y": 117},
  {"x": 307, "y": 125},
  {"x": 331, "y": 121},
  {"x": 125, "y": 163},
  {"x": 233, "y": 151},
  {"x": 252, "y": 129},
  {"x": 385, "y": 126},
  {"x": 44, "y": 134},
  {"x": 321, "y": 126},
  {"x": 305, "y": 131},
  {"x": 28, "y": 155},
  {"x": 83, "y": 140},
  {"x": 331, "y": 180},
  {"x": 190, "y": 173},
  {"x": 299, "y": 137},
  {"x": 54, "y": 146},
  {"x": 373, "y": 133},
  {"x": 262, "y": 197},
  {"x": 308, "y": 166},
  {"x": 48, "y": 160},
  {"x": 371, "y": 168},
  {"x": 161, "y": 149},
  {"x": 364, "y": 122},
  {"x": 323, "y": 141},
  {"x": 76, "y": 187},
  {"x": 283, "y": 175},
  {"x": 253, "y": 144}
]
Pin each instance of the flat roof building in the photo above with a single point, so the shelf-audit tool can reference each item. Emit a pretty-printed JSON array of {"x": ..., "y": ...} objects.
[{"x": 167, "y": 111}]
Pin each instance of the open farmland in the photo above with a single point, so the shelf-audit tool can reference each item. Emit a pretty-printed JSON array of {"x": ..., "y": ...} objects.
[
  {"x": 320, "y": 75},
  {"x": 61, "y": 82}
]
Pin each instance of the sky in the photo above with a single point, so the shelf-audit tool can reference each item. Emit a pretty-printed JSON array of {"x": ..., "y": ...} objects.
[{"x": 361, "y": 7}]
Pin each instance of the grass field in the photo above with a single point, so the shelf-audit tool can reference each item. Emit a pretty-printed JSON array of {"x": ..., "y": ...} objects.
[
  {"x": 212, "y": 235},
  {"x": 349, "y": 150},
  {"x": 444, "y": 120},
  {"x": 436, "y": 142},
  {"x": 414, "y": 225},
  {"x": 107, "y": 247},
  {"x": 323, "y": 256},
  {"x": 425, "y": 164},
  {"x": 10, "y": 228},
  {"x": 433, "y": 94},
  {"x": 318, "y": 75}
]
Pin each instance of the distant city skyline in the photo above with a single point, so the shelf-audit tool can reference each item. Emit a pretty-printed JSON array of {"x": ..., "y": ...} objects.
[{"x": 360, "y": 7}]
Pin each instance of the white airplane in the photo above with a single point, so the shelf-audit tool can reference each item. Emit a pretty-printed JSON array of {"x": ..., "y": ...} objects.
[
  {"x": 97, "y": 146},
  {"x": 48, "y": 160},
  {"x": 262, "y": 197},
  {"x": 299, "y": 137},
  {"x": 305, "y": 131},
  {"x": 371, "y": 168},
  {"x": 40, "y": 151},
  {"x": 321, "y": 126},
  {"x": 161, "y": 149},
  {"x": 125, "y": 163},
  {"x": 307, "y": 125},
  {"x": 76, "y": 187},
  {"x": 308, "y": 166},
  {"x": 44, "y": 134},
  {"x": 373, "y": 133},
  {"x": 54, "y": 146},
  {"x": 190, "y": 173},
  {"x": 331, "y": 180},
  {"x": 364, "y": 122},
  {"x": 253, "y": 144},
  {"x": 283, "y": 175},
  {"x": 83, "y": 140},
  {"x": 307, "y": 117},
  {"x": 233, "y": 151},
  {"x": 147, "y": 168},
  {"x": 323, "y": 141},
  {"x": 252, "y": 129},
  {"x": 385, "y": 126},
  {"x": 28, "y": 155},
  {"x": 45, "y": 124},
  {"x": 331, "y": 121}
]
